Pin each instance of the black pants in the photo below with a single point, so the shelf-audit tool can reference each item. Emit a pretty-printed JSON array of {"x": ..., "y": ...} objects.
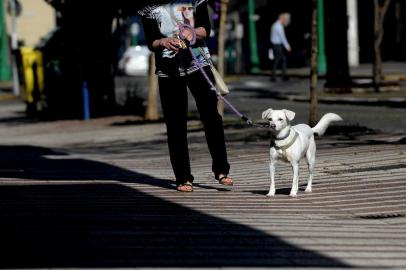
[
  {"x": 280, "y": 57},
  {"x": 174, "y": 99}
]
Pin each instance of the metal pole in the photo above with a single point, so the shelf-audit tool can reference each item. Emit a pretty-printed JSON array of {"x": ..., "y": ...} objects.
[
  {"x": 253, "y": 37},
  {"x": 321, "y": 55},
  {"x": 86, "y": 101},
  {"x": 14, "y": 47},
  {"x": 353, "y": 43},
  {"x": 4, "y": 52}
]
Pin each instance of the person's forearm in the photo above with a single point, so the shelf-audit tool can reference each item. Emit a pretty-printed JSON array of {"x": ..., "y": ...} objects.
[
  {"x": 284, "y": 40},
  {"x": 156, "y": 44}
]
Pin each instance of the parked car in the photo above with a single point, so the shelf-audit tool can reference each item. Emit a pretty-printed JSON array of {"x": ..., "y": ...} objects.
[{"x": 135, "y": 61}]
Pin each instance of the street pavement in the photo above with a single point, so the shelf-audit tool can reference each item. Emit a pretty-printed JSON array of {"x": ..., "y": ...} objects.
[
  {"x": 100, "y": 193},
  {"x": 384, "y": 112}
]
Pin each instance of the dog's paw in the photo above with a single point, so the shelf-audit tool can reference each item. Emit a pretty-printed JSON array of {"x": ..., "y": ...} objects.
[
  {"x": 308, "y": 190},
  {"x": 270, "y": 194},
  {"x": 293, "y": 195}
]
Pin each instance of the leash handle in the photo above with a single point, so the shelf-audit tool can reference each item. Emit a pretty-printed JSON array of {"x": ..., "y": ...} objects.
[{"x": 182, "y": 27}]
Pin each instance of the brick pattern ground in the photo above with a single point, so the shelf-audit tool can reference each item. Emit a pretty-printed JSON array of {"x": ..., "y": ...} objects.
[{"x": 101, "y": 194}]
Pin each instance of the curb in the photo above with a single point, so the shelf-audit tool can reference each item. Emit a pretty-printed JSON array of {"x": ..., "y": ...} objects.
[
  {"x": 8, "y": 97},
  {"x": 390, "y": 102}
]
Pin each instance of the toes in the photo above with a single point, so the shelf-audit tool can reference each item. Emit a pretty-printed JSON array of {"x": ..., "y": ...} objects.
[
  {"x": 184, "y": 188},
  {"x": 308, "y": 190},
  {"x": 226, "y": 181}
]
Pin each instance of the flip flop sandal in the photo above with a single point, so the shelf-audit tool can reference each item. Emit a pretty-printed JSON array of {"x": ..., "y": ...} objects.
[
  {"x": 222, "y": 182},
  {"x": 185, "y": 187}
]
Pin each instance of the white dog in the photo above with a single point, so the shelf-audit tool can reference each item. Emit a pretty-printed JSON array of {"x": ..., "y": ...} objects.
[{"x": 292, "y": 143}]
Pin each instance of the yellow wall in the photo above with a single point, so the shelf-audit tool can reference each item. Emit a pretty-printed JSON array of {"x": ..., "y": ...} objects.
[{"x": 35, "y": 21}]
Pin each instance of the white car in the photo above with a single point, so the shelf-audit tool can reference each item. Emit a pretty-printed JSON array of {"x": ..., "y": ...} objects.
[{"x": 135, "y": 61}]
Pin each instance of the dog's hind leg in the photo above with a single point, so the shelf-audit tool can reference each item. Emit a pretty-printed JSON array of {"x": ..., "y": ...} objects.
[
  {"x": 311, "y": 160},
  {"x": 295, "y": 183},
  {"x": 271, "y": 192}
]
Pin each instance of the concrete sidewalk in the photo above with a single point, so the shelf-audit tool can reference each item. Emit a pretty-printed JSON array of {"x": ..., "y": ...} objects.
[
  {"x": 100, "y": 194},
  {"x": 391, "y": 71}
]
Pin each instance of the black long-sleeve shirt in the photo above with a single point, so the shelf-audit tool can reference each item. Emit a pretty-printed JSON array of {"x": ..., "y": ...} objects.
[{"x": 161, "y": 21}]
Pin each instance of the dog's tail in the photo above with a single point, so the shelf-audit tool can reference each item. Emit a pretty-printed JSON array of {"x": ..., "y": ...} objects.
[{"x": 324, "y": 122}]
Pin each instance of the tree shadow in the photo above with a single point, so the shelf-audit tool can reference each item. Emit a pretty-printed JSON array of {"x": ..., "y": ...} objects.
[{"x": 109, "y": 224}]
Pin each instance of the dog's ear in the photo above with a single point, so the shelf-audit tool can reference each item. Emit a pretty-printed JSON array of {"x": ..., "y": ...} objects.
[
  {"x": 266, "y": 114},
  {"x": 289, "y": 114}
]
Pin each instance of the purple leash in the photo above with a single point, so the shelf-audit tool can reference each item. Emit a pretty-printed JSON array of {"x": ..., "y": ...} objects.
[{"x": 182, "y": 27}]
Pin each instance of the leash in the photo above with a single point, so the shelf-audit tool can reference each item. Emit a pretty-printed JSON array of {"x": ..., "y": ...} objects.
[{"x": 192, "y": 42}]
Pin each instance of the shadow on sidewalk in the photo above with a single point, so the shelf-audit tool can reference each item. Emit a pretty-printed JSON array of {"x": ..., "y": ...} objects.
[{"x": 108, "y": 225}]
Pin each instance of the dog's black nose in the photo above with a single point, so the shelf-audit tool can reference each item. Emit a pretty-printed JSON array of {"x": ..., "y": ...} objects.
[{"x": 272, "y": 125}]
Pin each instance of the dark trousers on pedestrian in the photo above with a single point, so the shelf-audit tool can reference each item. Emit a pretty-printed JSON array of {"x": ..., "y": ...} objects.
[
  {"x": 174, "y": 99},
  {"x": 280, "y": 58}
]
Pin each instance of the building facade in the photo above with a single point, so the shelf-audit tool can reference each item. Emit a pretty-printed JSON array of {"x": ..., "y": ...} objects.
[{"x": 37, "y": 19}]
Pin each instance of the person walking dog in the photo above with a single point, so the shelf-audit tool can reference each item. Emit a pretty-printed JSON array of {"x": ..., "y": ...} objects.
[
  {"x": 280, "y": 44},
  {"x": 176, "y": 72}
]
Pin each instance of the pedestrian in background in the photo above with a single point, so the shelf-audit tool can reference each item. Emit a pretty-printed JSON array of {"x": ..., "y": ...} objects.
[
  {"x": 280, "y": 44},
  {"x": 176, "y": 73}
]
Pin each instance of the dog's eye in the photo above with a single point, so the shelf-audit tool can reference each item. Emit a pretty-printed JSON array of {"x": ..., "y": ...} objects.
[{"x": 280, "y": 119}]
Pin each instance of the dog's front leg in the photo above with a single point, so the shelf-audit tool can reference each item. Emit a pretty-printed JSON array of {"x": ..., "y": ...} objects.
[
  {"x": 271, "y": 192},
  {"x": 295, "y": 182}
]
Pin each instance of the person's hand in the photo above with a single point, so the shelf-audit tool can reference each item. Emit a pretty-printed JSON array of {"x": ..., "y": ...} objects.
[
  {"x": 170, "y": 43},
  {"x": 188, "y": 34},
  {"x": 289, "y": 49}
]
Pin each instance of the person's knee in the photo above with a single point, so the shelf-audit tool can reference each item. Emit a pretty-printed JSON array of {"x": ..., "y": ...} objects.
[{"x": 212, "y": 119}]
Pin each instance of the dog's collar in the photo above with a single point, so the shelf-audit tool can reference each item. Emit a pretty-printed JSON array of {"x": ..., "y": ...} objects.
[
  {"x": 283, "y": 138},
  {"x": 286, "y": 142}
]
